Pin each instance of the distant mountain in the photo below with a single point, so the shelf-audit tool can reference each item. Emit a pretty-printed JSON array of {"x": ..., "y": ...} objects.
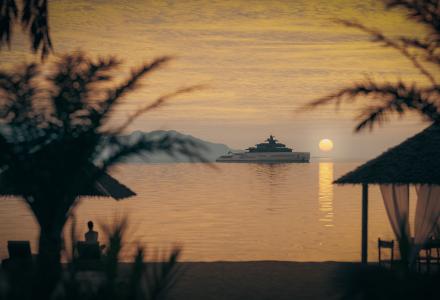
[{"x": 213, "y": 150}]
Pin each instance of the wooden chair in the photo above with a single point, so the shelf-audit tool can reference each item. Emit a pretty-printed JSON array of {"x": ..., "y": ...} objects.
[
  {"x": 424, "y": 257},
  {"x": 382, "y": 244},
  {"x": 435, "y": 250},
  {"x": 429, "y": 253}
]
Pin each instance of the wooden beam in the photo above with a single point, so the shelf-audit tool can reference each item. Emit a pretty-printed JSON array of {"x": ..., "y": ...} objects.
[{"x": 364, "y": 223}]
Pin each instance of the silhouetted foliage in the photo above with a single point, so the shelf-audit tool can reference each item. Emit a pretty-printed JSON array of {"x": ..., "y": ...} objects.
[
  {"x": 33, "y": 17},
  {"x": 400, "y": 97},
  {"x": 140, "y": 280},
  {"x": 54, "y": 127}
]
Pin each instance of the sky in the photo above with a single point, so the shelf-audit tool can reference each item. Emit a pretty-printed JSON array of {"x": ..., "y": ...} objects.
[{"x": 259, "y": 62}]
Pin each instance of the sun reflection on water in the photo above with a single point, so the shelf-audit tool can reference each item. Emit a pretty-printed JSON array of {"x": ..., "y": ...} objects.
[{"x": 326, "y": 193}]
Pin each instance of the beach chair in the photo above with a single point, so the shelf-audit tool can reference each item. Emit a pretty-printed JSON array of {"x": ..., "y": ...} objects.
[
  {"x": 88, "y": 256},
  {"x": 88, "y": 250},
  {"x": 20, "y": 255},
  {"x": 382, "y": 244},
  {"x": 19, "y": 250}
]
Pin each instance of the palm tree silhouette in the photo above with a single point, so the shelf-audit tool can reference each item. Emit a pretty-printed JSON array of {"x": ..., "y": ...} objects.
[
  {"x": 400, "y": 97},
  {"x": 54, "y": 126}
]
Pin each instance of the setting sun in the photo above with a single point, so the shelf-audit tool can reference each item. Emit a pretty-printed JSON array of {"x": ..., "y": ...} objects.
[
  {"x": 325, "y": 145},
  {"x": 278, "y": 142}
]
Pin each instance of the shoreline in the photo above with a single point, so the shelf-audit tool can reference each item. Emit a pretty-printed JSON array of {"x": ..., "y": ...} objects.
[{"x": 254, "y": 280}]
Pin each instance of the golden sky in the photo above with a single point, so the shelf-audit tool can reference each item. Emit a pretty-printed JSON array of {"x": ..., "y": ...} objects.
[{"x": 260, "y": 60}]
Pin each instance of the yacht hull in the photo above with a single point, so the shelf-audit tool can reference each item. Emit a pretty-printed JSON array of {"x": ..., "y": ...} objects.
[{"x": 266, "y": 157}]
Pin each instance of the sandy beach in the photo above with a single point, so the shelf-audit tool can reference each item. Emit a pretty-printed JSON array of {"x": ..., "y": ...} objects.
[{"x": 259, "y": 280}]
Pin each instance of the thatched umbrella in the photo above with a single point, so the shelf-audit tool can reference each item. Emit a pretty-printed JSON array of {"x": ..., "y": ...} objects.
[
  {"x": 104, "y": 186},
  {"x": 415, "y": 161}
]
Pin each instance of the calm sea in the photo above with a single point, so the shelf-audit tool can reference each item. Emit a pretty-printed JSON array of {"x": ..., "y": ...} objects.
[{"x": 232, "y": 212}]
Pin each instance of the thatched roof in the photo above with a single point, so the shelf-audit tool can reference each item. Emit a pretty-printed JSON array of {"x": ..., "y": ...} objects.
[
  {"x": 415, "y": 161},
  {"x": 105, "y": 186}
]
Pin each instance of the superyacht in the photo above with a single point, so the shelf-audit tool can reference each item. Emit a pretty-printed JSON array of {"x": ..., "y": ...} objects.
[{"x": 270, "y": 152}]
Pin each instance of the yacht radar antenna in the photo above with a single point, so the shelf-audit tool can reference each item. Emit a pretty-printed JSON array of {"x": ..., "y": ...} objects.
[{"x": 271, "y": 140}]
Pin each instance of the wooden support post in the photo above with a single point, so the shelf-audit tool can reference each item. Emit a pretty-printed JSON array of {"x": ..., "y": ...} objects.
[{"x": 364, "y": 223}]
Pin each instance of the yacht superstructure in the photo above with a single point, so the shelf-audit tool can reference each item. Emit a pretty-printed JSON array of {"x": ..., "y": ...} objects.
[{"x": 269, "y": 152}]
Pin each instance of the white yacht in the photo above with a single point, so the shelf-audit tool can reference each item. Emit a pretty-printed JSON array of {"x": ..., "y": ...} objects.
[{"x": 270, "y": 152}]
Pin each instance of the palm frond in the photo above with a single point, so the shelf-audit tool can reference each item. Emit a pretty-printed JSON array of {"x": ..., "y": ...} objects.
[
  {"x": 422, "y": 11},
  {"x": 120, "y": 148},
  {"x": 8, "y": 14},
  {"x": 74, "y": 82},
  {"x": 379, "y": 37},
  {"x": 395, "y": 98},
  {"x": 35, "y": 19},
  {"x": 159, "y": 102},
  {"x": 113, "y": 96},
  {"x": 398, "y": 98}
]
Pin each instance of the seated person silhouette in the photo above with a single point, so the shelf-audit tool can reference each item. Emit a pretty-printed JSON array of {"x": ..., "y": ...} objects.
[
  {"x": 91, "y": 236},
  {"x": 90, "y": 248}
]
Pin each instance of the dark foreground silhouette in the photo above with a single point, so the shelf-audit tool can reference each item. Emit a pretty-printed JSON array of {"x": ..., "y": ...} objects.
[
  {"x": 98, "y": 277},
  {"x": 259, "y": 280}
]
